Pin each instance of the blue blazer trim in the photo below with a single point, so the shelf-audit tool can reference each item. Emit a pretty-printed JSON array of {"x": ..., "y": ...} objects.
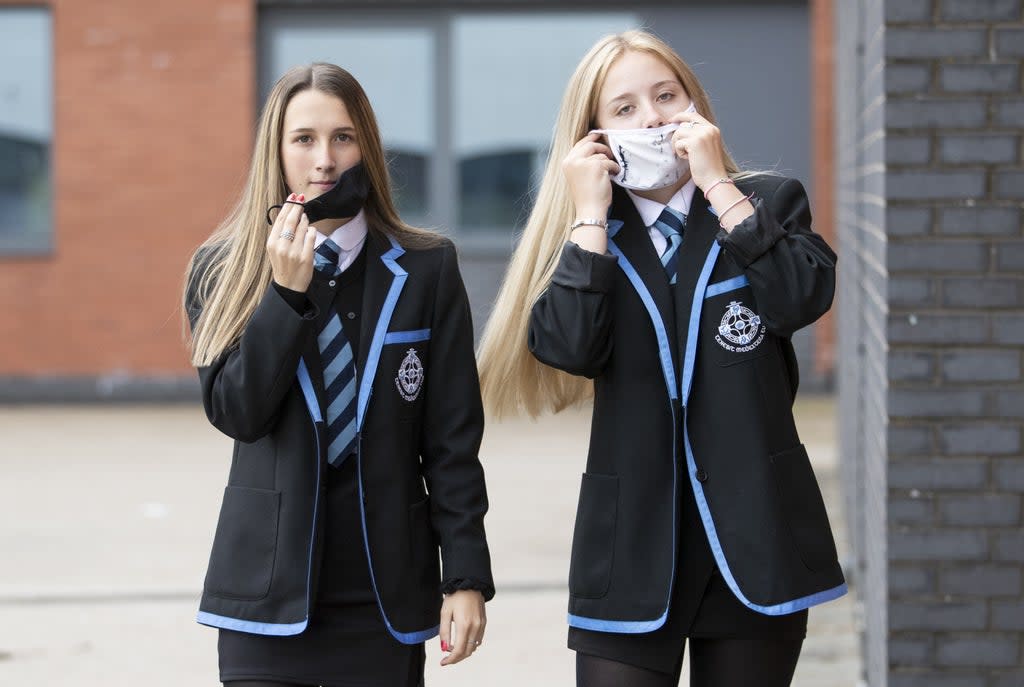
[
  {"x": 417, "y": 637},
  {"x": 664, "y": 348},
  {"x": 314, "y": 413},
  {"x": 379, "y": 333},
  {"x": 307, "y": 392},
  {"x": 276, "y": 629},
  {"x": 723, "y": 565},
  {"x": 622, "y": 626},
  {"x": 727, "y": 285},
  {"x": 693, "y": 328},
  {"x": 702, "y": 292},
  {"x": 668, "y": 370},
  {"x": 410, "y": 336}
]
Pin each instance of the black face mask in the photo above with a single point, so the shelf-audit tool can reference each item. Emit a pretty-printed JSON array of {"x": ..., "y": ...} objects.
[{"x": 344, "y": 199}]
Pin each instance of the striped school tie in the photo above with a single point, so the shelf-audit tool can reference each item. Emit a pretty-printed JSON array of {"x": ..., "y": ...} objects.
[
  {"x": 670, "y": 223},
  {"x": 339, "y": 370}
]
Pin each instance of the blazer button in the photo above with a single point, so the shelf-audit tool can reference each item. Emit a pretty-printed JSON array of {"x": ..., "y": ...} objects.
[{"x": 702, "y": 476}]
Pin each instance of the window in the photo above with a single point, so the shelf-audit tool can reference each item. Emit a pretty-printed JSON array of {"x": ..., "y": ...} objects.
[
  {"x": 467, "y": 99},
  {"x": 466, "y": 111},
  {"x": 25, "y": 130}
]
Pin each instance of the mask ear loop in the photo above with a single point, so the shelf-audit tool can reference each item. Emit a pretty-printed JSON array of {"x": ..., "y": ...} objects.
[{"x": 280, "y": 207}]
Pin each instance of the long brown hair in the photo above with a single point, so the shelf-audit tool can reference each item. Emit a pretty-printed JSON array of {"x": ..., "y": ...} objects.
[
  {"x": 238, "y": 246},
  {"x": 511, "y": 378}
]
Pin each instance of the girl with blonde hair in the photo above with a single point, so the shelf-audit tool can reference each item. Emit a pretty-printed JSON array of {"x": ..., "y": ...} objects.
[
  {"x": 656, "y": 276},
  {"x": 335, "y": 347}
]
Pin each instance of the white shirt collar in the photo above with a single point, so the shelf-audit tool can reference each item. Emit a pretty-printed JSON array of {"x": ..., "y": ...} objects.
[
  {"x": 348, "y": 236},
  {"x": 650, "y": 209}
]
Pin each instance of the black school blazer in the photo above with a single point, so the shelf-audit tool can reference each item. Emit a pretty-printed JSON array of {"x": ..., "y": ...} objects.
[
  {"x": 420, "y": 479},
  {"x": 693, "y": 389}
]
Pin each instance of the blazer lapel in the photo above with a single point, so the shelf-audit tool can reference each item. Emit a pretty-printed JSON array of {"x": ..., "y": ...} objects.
[
  {"x": 699, "y": 247},
  {"x": 383, "y": 284},
  {"x": 634, "y": 241}
]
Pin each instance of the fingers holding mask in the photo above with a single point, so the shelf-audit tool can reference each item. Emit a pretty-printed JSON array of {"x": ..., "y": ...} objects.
[
  {"x": 290, "y": 246},
  {"x": 287, "y": 219},
  {"x": 700, "y": 142},
  {"x": 588, "y": 168}
]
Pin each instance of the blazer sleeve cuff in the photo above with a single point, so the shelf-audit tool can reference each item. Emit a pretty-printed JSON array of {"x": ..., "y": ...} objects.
[
  {"x": 753, "y": 237},
  {"x": 584, "y": 270},
  {"x": 458, "y": 584}
]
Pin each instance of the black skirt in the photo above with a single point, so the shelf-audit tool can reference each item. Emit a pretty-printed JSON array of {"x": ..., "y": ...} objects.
[
  {"x": 350, "y": 649},
  {"x": 720, "y": 616}
]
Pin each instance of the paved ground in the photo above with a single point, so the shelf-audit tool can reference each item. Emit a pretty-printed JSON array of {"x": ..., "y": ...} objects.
[{"x": 107, "y": 513}]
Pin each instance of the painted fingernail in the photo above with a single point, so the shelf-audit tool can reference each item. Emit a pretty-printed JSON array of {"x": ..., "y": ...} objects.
[
  {"x": 302, "y": 196},
  {"x": 444, "y": 645}
]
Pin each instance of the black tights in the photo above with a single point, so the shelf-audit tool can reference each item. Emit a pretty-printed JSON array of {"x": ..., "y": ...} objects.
[{"x": 713, "y": 663}]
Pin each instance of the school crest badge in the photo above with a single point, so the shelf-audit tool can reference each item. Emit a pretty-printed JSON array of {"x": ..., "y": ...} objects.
[
  {"x": 740, "y": 330},
  {"x": 410, "y": 376}
]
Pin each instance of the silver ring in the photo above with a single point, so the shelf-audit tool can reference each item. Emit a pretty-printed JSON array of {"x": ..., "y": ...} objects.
[{"x": 287, "y": 235}]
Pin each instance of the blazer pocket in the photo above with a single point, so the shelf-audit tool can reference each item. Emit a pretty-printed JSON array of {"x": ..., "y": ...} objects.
[
  {"x": 593, "y": 540},
  {"x": 245, "y": 545},
  {"x": 803, "y": 508}
]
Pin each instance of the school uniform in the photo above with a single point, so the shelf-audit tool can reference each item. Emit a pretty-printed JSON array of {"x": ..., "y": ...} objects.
[
  {"x": 330, "y": 575},
  {"x": 699, "y": 514}
]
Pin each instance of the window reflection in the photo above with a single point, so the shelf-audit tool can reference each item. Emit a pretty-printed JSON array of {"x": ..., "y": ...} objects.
[
  {"x": 409, "y": 184},
  {"x": 493, "y": 189},
  {"x": 25, "y": 130},
  {"x": 506, "y": 98}
]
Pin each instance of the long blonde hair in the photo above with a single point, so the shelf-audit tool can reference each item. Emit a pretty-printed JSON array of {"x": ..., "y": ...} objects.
[
  {"x": 236, "y": 270},
  {"x": 511, "y": 378}
]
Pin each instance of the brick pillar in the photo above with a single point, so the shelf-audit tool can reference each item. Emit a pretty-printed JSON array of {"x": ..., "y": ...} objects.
[{"x": 949, "y": 561}]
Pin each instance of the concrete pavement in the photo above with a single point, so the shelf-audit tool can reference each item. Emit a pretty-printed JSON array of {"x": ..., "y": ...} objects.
[{"x": 107, "y": 513}]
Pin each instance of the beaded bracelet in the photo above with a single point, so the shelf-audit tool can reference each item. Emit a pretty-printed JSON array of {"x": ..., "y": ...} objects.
[{"x": 723, "y": 212}]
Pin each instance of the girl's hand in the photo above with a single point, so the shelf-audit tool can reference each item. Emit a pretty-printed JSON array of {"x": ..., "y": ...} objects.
[
  {"x": 700, "y": 142},
  {"x": 290, "y": 246},
  {"x": 588, "y": 168},
  {"x": 464, "y": 608}
]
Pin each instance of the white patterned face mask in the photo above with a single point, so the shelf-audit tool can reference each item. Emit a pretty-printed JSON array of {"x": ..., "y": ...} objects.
[{"x": 646, "y": 158}]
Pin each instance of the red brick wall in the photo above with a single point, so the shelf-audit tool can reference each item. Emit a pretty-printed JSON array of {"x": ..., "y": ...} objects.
[
  {"x": 823, "y": 161},
  {"x": 153, "y": 120},
  {"x": 154, "y": 112}
]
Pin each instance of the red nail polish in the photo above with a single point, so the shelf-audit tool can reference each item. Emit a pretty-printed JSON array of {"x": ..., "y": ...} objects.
[
  {"x": 302, "y": 196},
  {"x": 444, "y": 645}
]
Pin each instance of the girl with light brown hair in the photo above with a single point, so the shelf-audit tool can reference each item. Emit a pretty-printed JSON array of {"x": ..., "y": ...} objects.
[{"x": 335, "y": 346}]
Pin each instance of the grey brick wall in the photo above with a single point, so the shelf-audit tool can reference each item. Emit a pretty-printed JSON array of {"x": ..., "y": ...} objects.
[{"x": 931, "y": 334}]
